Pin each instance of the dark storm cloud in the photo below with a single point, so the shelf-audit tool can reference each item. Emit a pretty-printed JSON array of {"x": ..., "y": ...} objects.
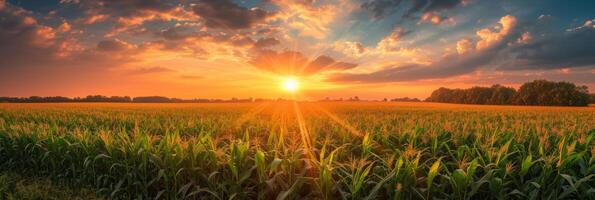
[
  {"x": 295, "y": 63},
  {"x": 228, "y": 15},
  {"x": 574, "y": 48},
  {"x": 380, "y": 8}
]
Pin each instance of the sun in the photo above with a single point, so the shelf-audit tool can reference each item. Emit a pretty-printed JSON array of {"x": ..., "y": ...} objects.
[{"x": 291, "y": 84}]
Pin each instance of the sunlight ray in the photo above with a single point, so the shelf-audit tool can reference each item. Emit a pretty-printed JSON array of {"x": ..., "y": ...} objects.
[
  {"x": 250, "y": 114},
  {"x": 303, "y": 130},
  {"x": 339, "y": 121}
]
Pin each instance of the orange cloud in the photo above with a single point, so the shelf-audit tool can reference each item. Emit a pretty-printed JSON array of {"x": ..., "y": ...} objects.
[
  {"x": 389, "y": 43},
  {"x": 464, "y": 46},
  {"x": 92, "y": 19},
  {"x": 295, "y": 63},
  {"x": 226, "y": 14},
  {"x": 64, "y": 27},
  {"x": 489, "y": 37},
  {"x": 310, "y": 18},
  {"x": 129, "y": 22},
  {"x": 524, "y": 38},
  {"x": 565, "y": 70},
  {"x": 590, "y": 23},
  {"x": 128, "y": 15},
  {"x": 349, "y": 48},
  {"x": 435, "y": 18}
]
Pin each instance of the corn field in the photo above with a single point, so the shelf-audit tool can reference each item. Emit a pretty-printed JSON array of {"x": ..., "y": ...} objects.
[{"x": 306, "y": 150}]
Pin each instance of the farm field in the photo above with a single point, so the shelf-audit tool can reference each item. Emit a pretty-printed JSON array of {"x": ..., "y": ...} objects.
[{"x": 305, "y": 150}]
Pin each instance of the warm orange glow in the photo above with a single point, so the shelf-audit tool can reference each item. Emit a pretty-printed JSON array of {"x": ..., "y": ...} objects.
[{"x": 291, "y": 84}]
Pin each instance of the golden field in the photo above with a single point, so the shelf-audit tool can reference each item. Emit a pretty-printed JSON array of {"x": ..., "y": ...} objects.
[{"x": 305, "y": 150}]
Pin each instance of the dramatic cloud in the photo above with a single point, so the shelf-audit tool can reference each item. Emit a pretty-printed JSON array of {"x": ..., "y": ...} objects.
[
  {"x": 435, "y": 18},
  {"x": 266, "y": 42},
  {"x": 311, "y": 18},
  {"x": 57, "y": 44},
  {"x": 295, "y": 63},
  {"x": 128, "y": 14},
  {"x": 465, "y": 45},
  {"x": 181, "y": 32},
  {"x": 570, "y": 49},
  {"x": 447, "y": 66},
  {"x": 390, "y": 42},
  {"x": 507, "y": 47},
  {"x": 380, "y": 8},
  {"x": 466, "y": 59},
  {"x": 113, "y": 45},
  {"x": 349, "y": 48},
  {"x": 23, "y": 41},
  {"x": 225, "y": 14},
  {"x": 326, "y": 63},
  {"x": 489, "y": 37}
]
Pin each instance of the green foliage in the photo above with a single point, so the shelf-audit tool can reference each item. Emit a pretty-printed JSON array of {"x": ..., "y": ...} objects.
[
  {"x": 230, "y": 151},
  {"x": 538, "y": 92},
  {"x": 14, "y": 186}
]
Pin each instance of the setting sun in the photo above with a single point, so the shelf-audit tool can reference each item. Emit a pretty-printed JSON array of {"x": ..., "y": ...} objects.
[{"x": 291, "y": 84}]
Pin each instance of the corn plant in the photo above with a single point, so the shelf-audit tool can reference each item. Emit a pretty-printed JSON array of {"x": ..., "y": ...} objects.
[{"x": 358, "y": 150}]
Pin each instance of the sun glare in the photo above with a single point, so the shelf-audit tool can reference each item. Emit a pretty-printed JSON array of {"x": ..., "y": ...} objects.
[{"x": 291, "y": 84}]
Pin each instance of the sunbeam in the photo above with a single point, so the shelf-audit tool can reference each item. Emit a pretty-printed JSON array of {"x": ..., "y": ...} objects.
[
  {"x": 303, "y": 130},
  {"x": 339, "y": 121}
]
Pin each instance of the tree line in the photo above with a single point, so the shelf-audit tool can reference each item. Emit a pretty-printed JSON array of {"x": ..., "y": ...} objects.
[
  {"x": 537, "y": 92},
  {"x": 120, "y": 99}
]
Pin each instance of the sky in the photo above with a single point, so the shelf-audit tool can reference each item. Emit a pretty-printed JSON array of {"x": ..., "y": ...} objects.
[{"x": 247, "y": 48}]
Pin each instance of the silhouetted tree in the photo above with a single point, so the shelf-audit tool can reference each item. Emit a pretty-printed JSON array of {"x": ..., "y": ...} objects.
[
  {"x": 405, "y": 99},
  {"x": 501, "y": 95},
  {"x": 151, "y": 99},
  {"x": 538, "y": 92},
  {"x": 542, "y": 92},
  {"x": 101, "y": 98}
]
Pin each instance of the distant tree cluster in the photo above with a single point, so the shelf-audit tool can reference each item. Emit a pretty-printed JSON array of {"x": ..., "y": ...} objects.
[
  {"x": 100, "y": 98},
  {"x": 538, "y": 92},
  {"x": 122, "y": 99},
  {"x": 90, "y": 98},
  {"x": 354, "y": 98},
  {"x": 405, "y": 99}
]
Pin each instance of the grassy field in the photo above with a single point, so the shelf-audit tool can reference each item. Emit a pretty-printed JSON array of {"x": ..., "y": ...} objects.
[{"x": 288, "y": 150}]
